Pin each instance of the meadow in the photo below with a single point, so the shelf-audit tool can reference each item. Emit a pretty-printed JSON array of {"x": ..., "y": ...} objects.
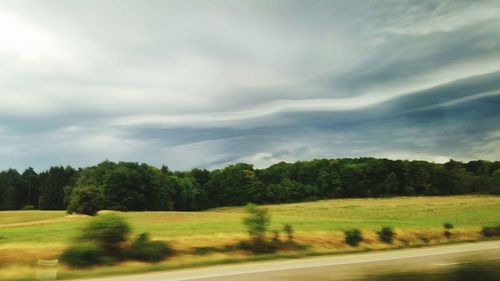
[{"x": 29, "y": 235}]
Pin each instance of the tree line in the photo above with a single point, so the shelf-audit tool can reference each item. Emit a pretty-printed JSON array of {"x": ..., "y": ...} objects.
[{"x": 129, "y": 186}]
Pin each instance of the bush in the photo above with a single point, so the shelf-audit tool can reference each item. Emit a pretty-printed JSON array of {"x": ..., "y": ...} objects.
[
  {"x": 447, "y": 226},
  {"x": 386, "y": 234},
  {"x": 144, "y": 249},
  {"x": 257, "y": 221},
  {"x": 491, "y": 231},
  {"x": 83, "y": 255},
  {"x": 353, "y": 237},
  {"x": 85, "y": 200},
  {"x": 107, "y": 232}
]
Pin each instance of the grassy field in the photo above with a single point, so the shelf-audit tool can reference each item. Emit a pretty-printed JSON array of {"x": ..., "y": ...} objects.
[{"x": 28, "y": 235}]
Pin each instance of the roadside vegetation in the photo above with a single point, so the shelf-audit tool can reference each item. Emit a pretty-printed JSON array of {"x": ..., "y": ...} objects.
[{"x": 238, "y": 234}]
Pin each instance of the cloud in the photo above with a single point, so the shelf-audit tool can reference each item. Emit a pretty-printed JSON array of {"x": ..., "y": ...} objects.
[{"x": 207, "y": 84}]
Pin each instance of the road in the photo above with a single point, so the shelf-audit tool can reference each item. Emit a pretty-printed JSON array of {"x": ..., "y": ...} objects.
[{"x": 326, "y": 268}]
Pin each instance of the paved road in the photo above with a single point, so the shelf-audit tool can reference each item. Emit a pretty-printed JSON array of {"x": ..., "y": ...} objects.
[{"x": 326, "y": 268}]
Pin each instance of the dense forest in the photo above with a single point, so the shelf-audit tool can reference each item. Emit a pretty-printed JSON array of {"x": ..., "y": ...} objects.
[{"x": 135, "y": 187}]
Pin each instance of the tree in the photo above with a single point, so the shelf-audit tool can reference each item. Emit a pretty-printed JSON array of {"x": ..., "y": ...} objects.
[
  {"x": 496, "y": 182},
  {"x": 30, "y": 187},
  {"x": 52, "y": 188},
  {"x": 86, "y": 200},
  {"x": 123, "y": 189},
  {"x": 10, "y": 182},
  {"x": 390, "y": 186}
]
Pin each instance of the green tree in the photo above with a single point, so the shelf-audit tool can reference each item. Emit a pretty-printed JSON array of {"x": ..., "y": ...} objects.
[
  {"x": 496, "y": 182},
  {"x": 86, "y": 200},
  {"x": 390, "y": 186},
  {"x": 52, "y": 187},
  {"x": 10, "y": 182},
  {"x": 123, "y": 189}
]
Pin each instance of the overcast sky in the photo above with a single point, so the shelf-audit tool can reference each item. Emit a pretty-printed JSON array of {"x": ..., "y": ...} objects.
[{"x": 208, "y": 83}]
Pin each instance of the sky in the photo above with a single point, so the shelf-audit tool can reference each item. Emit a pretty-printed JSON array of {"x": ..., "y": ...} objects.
[{"x": 209, "y": 83}]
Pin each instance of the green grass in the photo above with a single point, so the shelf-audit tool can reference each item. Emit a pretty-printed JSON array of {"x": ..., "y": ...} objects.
[
  {"x": 29, "y": 235},
  {"x": 320, "y": 216},
  {"x": 9, "y": 217}
]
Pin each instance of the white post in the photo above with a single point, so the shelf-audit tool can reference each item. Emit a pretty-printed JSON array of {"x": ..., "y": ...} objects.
[{"x": 46, "y": 270}]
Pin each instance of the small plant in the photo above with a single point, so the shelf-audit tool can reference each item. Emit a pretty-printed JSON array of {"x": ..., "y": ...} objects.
[
  {"x": 386, "y": 234},
  {"x": 257, "y": 221},
  {"x": 288, "y": 229},
  {"x": 491, "y": 231},
  {"x": 144, "y": 249},
  {"x": 353, "y": 237},
  {"x": 448, "y": 226}
]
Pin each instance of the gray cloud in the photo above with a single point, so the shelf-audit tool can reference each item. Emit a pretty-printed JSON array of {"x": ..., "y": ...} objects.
[{"x": 204, "y": 84}]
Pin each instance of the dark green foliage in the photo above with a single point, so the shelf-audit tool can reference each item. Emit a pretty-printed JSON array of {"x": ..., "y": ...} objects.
[
  {"x": 144, "y": 249},
  {"x": 448, "y": 226},
  {"x": 353, "y": 237},
  {"x": 132, "y": 186},
  {"x": 491, "y": 231},
  {"x": 82, "y": 255},
  {"x": 10, "y": 185},
  {"x": 86, "y": 200},
  {"x": 104, "y": 241},
  {"x": 52, "y": 187},
  {"x": 107, "y": 232},
  {"x": 386, "y": 234}
]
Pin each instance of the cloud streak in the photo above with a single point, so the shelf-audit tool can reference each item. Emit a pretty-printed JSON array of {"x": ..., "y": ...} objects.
[{"x": 196, "y": 84}]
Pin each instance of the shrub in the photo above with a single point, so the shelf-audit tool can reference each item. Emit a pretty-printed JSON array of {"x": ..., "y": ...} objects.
[
  {"x": 491, "y": 231},
  {"x": 353, "y": 237},
  {"x": 144, "y": 249},
  {"x": 108, "y": 232},
  {"x": 386, "y": 234},
  {"x": 256, "y": 222},
  {"x": 86, "y": 200},
  {"x": 447, "y": 226},
  {"x": 83, "y": 255}
]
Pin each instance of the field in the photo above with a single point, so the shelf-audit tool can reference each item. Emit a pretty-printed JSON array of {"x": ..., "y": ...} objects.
[{"x": 28, "y": 235}]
